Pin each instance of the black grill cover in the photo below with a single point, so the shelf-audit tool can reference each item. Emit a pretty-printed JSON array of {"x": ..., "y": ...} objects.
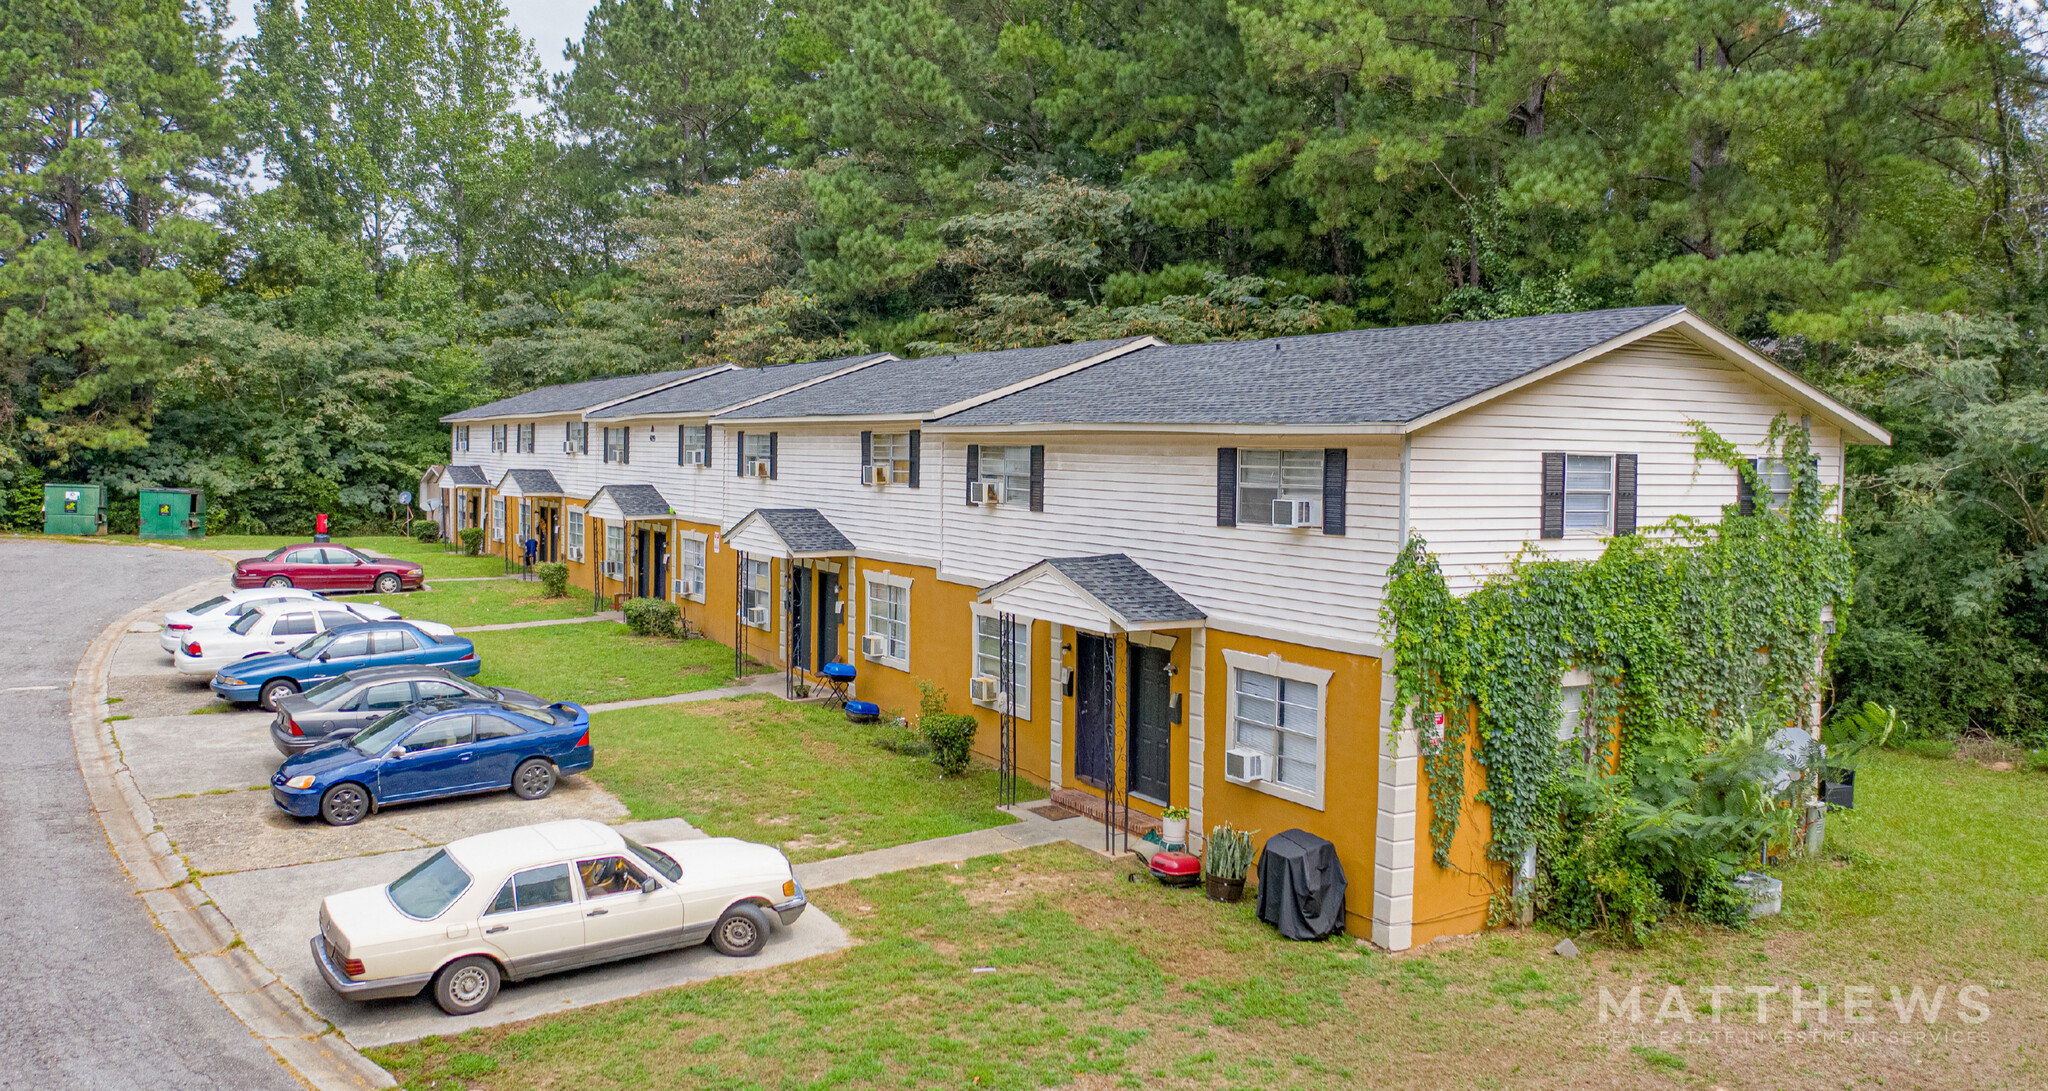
[{"x": 1301, "y": 886}]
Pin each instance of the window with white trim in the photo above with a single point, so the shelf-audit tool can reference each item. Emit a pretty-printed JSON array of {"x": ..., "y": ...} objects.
[
  {"x": 526, "y": 439},
  {"x": 1266, "y": 476},
  {"x": 757, "y": 594},
  {"x": 497, "y": 438},
  {"x": 576, "y": 434},
  {"x": 756, "y": 452},
  {"x": 497, "y": 518},
  {"x": 691, "y": 570},
  {"x": 616, "y": 447},
  {"x": 888, "y": 616},
  {"x": 1276, "y": 707},
  {"x": 1774, "y": 477},
  {"x": 696, "y": 438},
  {"x": 615, "y": 547},
  {"x": 462, "y": 437},
  {"x": 1589, "y": 493},
  {"x": 574, "y": 523},
  {"x": 891, "y": 450},
  {"x": 1009, "y": 467},
  {"x": 988, "y": 658},
  {"x": 525, "y": 519}
]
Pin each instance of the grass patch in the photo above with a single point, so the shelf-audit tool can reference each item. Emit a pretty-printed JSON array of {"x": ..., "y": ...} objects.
[
  {"x": 1931, "y": 749},
  {"x": 1101, "y": 983},
  {"x": 794, "y": 775},
  {"x": 485, "y": 602},
  {"x": 599, "y": 661}
]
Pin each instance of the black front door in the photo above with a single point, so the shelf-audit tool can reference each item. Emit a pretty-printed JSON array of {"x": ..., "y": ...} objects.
[
  {"x": 829, "y": 607},
  {"x": 661, "y": 564},
  {"x": 1093, "y": 709},
  {"x": 640, "y": 564},
  {"x": 1151, "y": 737},
  {"x": 800, "y": 617}
]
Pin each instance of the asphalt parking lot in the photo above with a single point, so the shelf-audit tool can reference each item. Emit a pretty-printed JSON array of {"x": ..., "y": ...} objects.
[{"x": 205, "y": 771}]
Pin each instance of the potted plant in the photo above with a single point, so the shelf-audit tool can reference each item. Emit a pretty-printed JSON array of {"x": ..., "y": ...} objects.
[
  {"x": 1173, "y": 826},
  {"x": 1226, "y": 858},
  {"x": 1848, "y": 738}
]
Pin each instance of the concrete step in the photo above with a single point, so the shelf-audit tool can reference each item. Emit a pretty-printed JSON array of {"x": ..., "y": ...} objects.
[{"x": 1137, "y": 822}]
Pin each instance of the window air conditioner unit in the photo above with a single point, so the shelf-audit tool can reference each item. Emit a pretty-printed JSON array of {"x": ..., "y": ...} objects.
[
  {"x": 981, "y": 687},
  {"x": 977, "y": 492},
  {"x": 697, "y": 457},
  {"x": 680, "y": 590},
  {"x": 615, "y": 569},
  {"x": 874, "y": 644},
  {"x": 761, "y": 468},
  {"x": 1297, "y": 513},
  {"x": 757, "y": 616},
  {"x": 575, "y": 553},
  {"x": 878, "y": 474},
  {"x": 568, "y": 447},
  {"x": 1243, "y": 765}
]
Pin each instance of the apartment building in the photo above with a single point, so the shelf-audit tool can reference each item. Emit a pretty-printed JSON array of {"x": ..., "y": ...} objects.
[{"x": 1154, "y": 571}]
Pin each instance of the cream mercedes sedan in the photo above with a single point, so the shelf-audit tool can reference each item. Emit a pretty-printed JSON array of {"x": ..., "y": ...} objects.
[{"x": 534, "y": 900}]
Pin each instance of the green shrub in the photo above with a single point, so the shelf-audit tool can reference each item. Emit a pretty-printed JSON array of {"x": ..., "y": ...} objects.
[
  {"x": 554, "y": 579},
  {"x": 473, "y": 540},
  {"x": 648, "y": 617},
  {"x": 426, "y": 530},
  {"x": 951, "y": 736}
]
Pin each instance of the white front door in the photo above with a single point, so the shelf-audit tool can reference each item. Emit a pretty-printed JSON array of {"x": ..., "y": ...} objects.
[
  {"x": 535, "y": 921},
  {"x": 620, "y": 915}
]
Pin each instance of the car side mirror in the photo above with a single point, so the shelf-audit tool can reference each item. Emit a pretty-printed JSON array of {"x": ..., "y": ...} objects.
[
  {"x": 649, "y": 885},
  {"x": 325, "y": 656},
  {"x": 396, "y": 752}
]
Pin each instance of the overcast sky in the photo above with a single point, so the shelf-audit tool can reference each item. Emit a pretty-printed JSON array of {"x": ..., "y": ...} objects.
[{"x": 547, "y": 23}]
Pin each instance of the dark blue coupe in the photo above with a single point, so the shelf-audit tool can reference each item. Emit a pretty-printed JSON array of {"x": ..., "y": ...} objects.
[
  {"x": 344, "y": 648},
  {"x": 434, "y": 749}
]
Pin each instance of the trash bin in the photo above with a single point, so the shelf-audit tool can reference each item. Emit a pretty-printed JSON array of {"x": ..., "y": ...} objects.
[
  {"x": 173, "y": 513},
  {"x": 74, "y": 509}
]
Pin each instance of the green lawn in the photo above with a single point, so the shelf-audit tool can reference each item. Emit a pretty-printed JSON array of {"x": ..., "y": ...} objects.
[
  {"x": 485, "y": 602},
  {"x": 599, "y": 661},
  {"x": 795, "y": 775},
  {"x": 1939, "y": 879}
]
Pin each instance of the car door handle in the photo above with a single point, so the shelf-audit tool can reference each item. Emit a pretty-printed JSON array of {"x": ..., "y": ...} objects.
[
  {"x": 597, "y": 913},
  {"x": 495, "y": 929},
  {"x": 466, "y": 757}
]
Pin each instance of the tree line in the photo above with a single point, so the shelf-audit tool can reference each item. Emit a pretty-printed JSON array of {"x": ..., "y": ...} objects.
[{"x": 263, "y": 265}]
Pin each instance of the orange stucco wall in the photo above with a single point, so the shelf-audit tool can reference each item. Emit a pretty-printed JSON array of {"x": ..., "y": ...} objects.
[{"x": 1452, "y": 901}]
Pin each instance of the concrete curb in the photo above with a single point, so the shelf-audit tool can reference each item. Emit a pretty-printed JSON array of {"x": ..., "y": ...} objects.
[{"x": 203, "y": 937}]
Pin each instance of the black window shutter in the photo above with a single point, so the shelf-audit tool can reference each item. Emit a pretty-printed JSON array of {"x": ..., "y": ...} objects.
[
  {"x": 707, "y": 444},
  {"x": 1336, "y": 474},
  {"x": 682, "y": 444},
  {"x": 569, "y": 432},
  {"x": 626, "y": 444},
  {"x": 1226, "y": 486},
  {"x": 1553, "y": 494},
  {"x": 867, "y": 453},
  {"x": 973, "y": 470},
  {"x": 771, "y": 454},
  {"x": 739, "y": 454},
  {"x": 916, "y": 458},
  {"x": 1037, "y": 477},
  {"x": 1745, "y": 495},
  {"x": 1624, "y": 494}
]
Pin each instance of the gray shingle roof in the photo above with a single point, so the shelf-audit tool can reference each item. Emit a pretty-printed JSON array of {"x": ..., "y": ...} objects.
[
  {"x": 726, "y": 389},
  {"x": 466, "y": 477},
  {"x": 569, "y": 397},
  {"x": 1127, "y": 588},
  {"x": 803, "y": 530},
  {"x": 1354, "y": 377},
  {"x": 895, "y": 387},
  {"x": 536, "y": 482},
  {"x": 638, "y": 501}
]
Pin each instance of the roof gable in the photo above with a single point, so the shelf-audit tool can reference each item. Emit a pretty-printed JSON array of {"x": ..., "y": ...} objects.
[
  {"x": 795, "y": 532},
  {"x": 578, "y": 397},
  {"x": 1101, "y": 593},
  {"x": 618, "y": 503},
  {"x": 732, "y": 387},
  {"x": 897, "y": 387}
]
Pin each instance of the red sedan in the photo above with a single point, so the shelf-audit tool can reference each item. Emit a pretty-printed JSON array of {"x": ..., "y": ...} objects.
[{"x": 328, "y": 568}]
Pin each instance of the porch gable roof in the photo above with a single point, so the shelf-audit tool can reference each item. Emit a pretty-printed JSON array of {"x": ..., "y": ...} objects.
[
  {"x": 523, "y": 482},
  {"x": 1105, "y": 593},
  {"x": 794, "y": 532},
  {"x": 465, "y": 477},
  {"x": 622, "y": 503}
]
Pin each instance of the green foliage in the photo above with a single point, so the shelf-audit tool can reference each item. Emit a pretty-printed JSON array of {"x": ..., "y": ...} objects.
[
  {"x": 554, "y": 584},
  {"x": 646, "y": 617},
  {"x": 1227, "y": 853},
  {"x": 1853, "y": 735},
  {"x": 472, "y": 540},
  {"x": 426, "y": 530},
  {"x": 948, "y": 736}
]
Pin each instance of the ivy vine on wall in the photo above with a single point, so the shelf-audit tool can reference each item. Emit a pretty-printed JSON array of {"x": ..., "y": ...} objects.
[{"x": 1691, "y": 627}]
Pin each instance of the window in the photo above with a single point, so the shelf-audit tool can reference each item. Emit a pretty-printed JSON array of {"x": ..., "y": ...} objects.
[
  {"x": 440, "y": 734},
  {"x": 497, "y": 518},
  {"x": 618, "y": 445},
  {"x": 755, "y": 592},
  {"x": 391, "y": 642},
  {"x": 1774, "y": 475},
  {"x": 759, "y": 449},
  {"x": 497, "y": 437},
  {"x": 294, "y": 625},
  {"x": 304, "y": 556},
  {"x": 889, "y": 618},
  {"x": 695, "y": 449},
  {"x": 526, "y": 439},
  {"x": 615, "y": 544},
  {"x": 430, "y": 690},
  {"x": 891, "y": 452},
  {"x": 525, "y": 519},
  {"x": 493, "y": 727},
  {"x": 1276, "y": 707},
  {"x": 1266, "y": 476},
  {"x": 338, "y": 618},
  {"x": 1009, "y": 467},
  {"x": 988, "y": 657},
  {"x": 386, "y": 697},
  {"x": 428, "y": 890},
  {"x": 349, "y": 646},
  {"x": 1589, "y": 493},
  {"x": 338, "y": 556},
  {"x": 576, "y": 434},
  {"x": 575, "y": 525},
  {"x": 691, "y": 572},
  {"x": 462, "y": 437},
  {"x": 606, "y": 877},
  {"x": 535, "y": 889}
]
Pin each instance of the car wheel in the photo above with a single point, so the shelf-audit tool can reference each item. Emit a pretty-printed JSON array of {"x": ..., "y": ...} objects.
[
  {"x": 741, "y": 932},
  {"x": 344, "y": 805},
  {"x": 467, "y": 985},
  {"x": 274, "y": 689},
  {"x": 387, "y": 584},
  {"x": 278, "y": 581},
  {"x": 534, "y": 778}
]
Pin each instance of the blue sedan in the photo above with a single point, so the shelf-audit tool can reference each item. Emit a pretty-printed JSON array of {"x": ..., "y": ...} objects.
[
  {"x": 265, "y": 678},
  {"x": 432, "y": 750}
]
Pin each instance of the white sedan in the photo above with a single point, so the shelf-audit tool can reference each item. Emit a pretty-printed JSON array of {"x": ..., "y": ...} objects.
[
  {"x": 221, "y": 611},
  {"x": 535, "y": 900},
  {"x": 279, "y": 627}
]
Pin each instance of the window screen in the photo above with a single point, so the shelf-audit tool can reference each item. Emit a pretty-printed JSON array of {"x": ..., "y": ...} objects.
[
  {"x": 1282, "y": 717},
  {"x": 1266, "y": 476}
]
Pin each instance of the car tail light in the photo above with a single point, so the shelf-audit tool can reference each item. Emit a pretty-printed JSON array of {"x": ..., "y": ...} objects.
[
  {"x": 185, "y": 627},
  {"x": 353, "y": 967},
  {"x": 467, "y": 658},
  {"x": 292, "y": 726},
  {"x": 585, "y": 740},
  {"x": 192, "y": 649}
]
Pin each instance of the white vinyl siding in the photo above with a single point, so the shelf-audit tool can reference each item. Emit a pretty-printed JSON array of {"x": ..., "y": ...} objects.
[
  {"x": 888, "y": 616},
  {"x": 1009, "y": 467},
  {"x": 988, "y": 658},
  {"x": 1266, "y": 476},
  {"x": 1588, "y": 493}
]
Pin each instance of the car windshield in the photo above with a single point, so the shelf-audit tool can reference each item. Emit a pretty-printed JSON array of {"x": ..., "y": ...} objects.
[
  {"x": 378, "y": 737},
  {"x": 244, "y": 623},
  {"x": 207, "y": 605},
  {"x": 311, "y": 649},
  {"x": 326, "y": 689},
  {"x": 656, "y": 859},
  {"x": 428, "y": 890}
]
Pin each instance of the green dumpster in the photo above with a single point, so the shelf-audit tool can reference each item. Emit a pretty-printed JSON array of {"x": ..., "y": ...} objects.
[
  {"x": 74, "y": 509},
  {"x": 173, "y": 513}
]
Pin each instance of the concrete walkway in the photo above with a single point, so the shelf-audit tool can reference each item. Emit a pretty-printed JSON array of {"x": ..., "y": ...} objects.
[
  {"x": 608, "y": 615},
  {"x": 770, "y": 684},
  {"x": 1029, "y": 832}
]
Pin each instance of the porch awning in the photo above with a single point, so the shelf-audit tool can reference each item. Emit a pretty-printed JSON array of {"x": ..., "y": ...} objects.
[
  {"x": 801, "y": 533},
  {"x": 624, "y": 503},
  {"x": 1103, "y": 594},
  {"x": 464, "y": 477},
  {"x": 521, "y": 483}
]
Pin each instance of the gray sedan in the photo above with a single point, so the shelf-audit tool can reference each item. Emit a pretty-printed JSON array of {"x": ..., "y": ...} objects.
[{"x": 340, "y": 707}]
